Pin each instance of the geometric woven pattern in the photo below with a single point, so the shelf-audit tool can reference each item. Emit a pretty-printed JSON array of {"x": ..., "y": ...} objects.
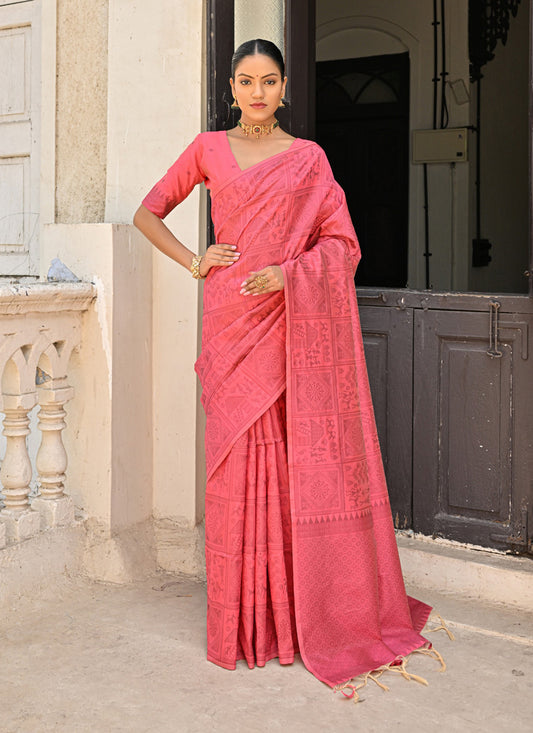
[{"x": 297, "y": 512}]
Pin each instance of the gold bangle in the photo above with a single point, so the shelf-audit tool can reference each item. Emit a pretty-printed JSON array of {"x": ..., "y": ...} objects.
[{"x": 195, "y": 267}]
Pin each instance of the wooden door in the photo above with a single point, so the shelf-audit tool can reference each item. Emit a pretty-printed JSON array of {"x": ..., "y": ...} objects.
[
  {"x": 19, "y": 137},
  {"x": 453, "y": 395},
  {"x": 388, "y": 343},
  {"x": 473, "y": 425}
]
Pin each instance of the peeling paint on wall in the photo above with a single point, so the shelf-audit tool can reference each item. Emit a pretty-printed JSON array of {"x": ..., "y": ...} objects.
[{"x": 101, "y": 312}]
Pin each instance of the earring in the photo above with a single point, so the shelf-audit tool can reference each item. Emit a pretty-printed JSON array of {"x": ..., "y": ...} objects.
[
  {"x": 281, "y": 103},
  {"x": 235, "y": 104}
]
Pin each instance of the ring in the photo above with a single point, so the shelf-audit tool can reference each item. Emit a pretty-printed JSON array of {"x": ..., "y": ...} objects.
[{"x": 261, "y": 281}]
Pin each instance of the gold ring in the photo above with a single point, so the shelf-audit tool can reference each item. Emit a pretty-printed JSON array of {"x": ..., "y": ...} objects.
[{"x": 261, "y": 281}]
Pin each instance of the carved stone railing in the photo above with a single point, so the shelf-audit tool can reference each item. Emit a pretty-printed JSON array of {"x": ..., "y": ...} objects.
[{"x": 40, "y": 325}]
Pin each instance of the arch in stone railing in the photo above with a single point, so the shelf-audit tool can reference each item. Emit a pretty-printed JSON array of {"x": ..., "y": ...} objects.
[
  {"x": 21, "y": 354},
  {"x": 40, "y": 329},
  {"x": 54, "y": 355}
]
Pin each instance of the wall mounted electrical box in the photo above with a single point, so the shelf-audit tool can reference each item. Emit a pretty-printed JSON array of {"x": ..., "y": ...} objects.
[{"x": 449, "y": 145}]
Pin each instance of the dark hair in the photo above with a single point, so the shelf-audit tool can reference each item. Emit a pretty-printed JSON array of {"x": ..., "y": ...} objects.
[{"x": 258, "y": 45}]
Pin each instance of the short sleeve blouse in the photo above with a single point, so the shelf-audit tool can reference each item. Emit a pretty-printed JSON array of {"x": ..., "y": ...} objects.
[{"x": 205, "y": 159}]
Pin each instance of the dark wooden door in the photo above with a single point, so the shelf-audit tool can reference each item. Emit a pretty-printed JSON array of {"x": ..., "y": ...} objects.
[
  {"x": 472, "y": 425},
  {"x": 468, "y": 428},
  {"x": 388, "y": 342}
]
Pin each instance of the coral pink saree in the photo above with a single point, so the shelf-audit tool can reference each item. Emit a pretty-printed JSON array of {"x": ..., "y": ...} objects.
[{"x": 300, "y": 547}]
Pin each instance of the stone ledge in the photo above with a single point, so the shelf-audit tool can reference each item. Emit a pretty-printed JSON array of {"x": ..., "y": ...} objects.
[
  {"x": 474, "y": 573},
  {"x": 43, "y": 297}
]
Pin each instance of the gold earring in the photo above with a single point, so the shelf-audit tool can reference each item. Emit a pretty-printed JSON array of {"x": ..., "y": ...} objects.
[
  {"x": 281, "y": 103},
  {"x": 235, "y": 104}
]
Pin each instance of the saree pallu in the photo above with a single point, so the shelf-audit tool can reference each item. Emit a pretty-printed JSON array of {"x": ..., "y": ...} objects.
[{"x": 300, "y": 547}]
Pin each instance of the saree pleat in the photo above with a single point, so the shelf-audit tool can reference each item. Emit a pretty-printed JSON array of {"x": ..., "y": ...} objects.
[{"x": 249, "y": 570}]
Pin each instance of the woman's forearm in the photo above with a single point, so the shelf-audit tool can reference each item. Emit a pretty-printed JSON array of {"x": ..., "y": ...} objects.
[{"x": 161, "y": 237}]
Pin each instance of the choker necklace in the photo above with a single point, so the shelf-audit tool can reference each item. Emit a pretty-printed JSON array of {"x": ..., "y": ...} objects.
[{"x": 258, "y": 130}]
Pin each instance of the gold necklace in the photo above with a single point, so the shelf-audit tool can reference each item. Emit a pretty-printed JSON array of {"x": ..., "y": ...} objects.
[{"x": 258, "y": 130}]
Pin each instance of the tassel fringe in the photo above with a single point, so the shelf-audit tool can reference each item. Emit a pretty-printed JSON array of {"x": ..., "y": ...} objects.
[
  {"x": 442, "y": 627},
  {"x": 351, "y": 688}
]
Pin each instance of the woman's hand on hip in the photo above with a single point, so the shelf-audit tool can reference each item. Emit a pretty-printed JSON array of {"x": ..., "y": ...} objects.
[
  {"x": 218, "y": 255},
  {"x": 267, "y": 280}
]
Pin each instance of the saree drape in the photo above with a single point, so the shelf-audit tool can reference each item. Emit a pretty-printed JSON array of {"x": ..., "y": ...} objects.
[{"x": 298, "y": 521}]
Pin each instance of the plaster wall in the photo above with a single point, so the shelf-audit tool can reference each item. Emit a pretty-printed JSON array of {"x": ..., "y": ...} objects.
[
  {"x": 109, "y": 430},
  {"x": 87, "y": 435},
  {"x": 132, "y": 434},
  {"x": 154, "y": 111},
  {"x": 354, "y": 28},
  {"x": 81, "y": 112}
]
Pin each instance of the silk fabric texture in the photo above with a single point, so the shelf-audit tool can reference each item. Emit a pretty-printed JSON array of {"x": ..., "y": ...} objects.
[{"x": 300, "y": 546}]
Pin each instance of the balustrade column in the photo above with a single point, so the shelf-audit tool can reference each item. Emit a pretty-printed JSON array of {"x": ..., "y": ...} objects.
[
  {"x": 16, "y": 472},
  {"x": 41, "y": 325},
  {"x": 54, "y": 506}
]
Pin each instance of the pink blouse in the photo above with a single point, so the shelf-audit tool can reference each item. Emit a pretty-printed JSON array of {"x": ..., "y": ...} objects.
[{"x": 208, "y": 158}]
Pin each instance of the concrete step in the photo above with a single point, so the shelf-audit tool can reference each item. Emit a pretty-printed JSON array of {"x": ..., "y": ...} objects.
[{"x": 448, "y": 568}]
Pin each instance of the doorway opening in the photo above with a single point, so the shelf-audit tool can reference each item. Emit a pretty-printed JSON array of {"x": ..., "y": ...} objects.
[
  {"x": 363, "y": 125},
  {"x": 472, "y": 229}
]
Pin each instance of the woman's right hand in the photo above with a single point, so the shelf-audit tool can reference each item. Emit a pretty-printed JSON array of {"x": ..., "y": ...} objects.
[{"x": 218, "y": 255}]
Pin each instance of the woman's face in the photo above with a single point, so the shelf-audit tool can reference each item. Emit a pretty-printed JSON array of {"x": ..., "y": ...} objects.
[{"x": 258, "y": 88}]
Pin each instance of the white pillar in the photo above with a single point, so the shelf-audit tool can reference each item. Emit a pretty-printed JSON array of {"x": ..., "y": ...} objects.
[
  {"x": 15, "y": 475},
  {"x": 54, "y": 507}
]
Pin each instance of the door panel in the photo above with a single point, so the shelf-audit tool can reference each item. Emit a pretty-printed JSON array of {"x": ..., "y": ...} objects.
[
  {"x": 463, "y": 417},
  {"x": 475, "y": 434},
  {"x": 388, "y": 342},
  {"x": 464, "y": 425}
]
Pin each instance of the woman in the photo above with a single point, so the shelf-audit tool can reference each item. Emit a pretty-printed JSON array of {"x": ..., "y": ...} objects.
[{"x": 300, "y": 547}]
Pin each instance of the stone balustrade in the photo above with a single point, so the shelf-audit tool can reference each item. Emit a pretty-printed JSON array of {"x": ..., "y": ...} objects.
[{"x": 40, "y": 325}]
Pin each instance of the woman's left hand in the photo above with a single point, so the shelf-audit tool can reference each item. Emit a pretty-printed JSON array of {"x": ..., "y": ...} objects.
[{"x": 267, "y": 280}]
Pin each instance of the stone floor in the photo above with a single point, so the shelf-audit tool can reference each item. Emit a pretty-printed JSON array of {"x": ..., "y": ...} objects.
[{"x": 104, "y": 659}]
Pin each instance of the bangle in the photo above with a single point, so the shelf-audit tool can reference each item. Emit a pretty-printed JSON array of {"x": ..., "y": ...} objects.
[{"x": 195, "y": 267}]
